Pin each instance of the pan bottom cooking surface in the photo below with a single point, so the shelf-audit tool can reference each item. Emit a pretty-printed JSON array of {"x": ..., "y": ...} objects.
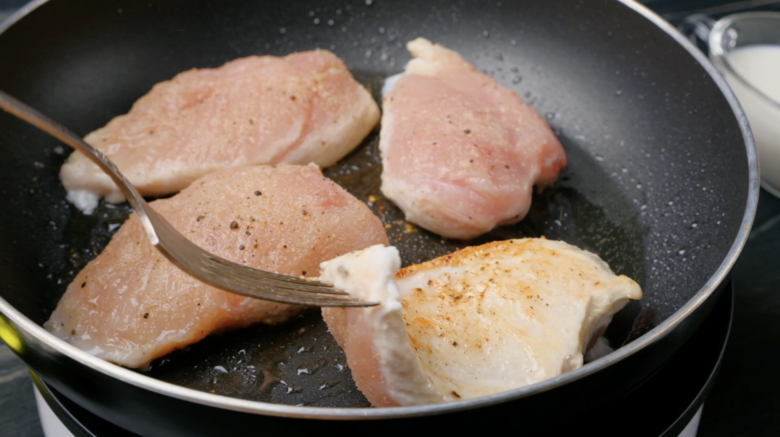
[
  {"x": 299, "y": 362},
  {"x": 666, "y": 402},
  {"x": 659, "y": 183}
]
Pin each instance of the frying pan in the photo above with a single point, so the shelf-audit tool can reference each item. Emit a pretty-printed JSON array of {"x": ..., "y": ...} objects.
[{"x": 662, "y": 183}]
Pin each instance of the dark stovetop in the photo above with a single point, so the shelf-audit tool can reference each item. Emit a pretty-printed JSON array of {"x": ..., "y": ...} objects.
[{"x": 745, "y": 400}]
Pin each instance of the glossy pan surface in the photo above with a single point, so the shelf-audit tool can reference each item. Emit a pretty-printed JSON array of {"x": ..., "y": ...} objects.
[{"x": 661, "y": 181}]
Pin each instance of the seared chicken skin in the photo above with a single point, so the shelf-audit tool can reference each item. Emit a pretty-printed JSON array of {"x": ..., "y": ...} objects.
[
  {"x": 461, "y": 153},
  {"x": 480, "y": 321},
  {"x": 130, "y": 305},
  {"x": 299, "y": 109}
]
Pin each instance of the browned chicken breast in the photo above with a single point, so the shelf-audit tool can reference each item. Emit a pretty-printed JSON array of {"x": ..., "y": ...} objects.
[{"x": 480, "y": 321}]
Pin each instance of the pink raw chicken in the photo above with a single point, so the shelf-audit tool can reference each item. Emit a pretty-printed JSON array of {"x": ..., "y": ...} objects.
[
  {"x": 460, "y": 152},
  {"x": 131, "y": 305},
  {"x": 299, "y": 109}
]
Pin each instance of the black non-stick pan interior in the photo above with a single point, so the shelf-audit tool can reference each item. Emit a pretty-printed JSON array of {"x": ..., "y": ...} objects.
[{"x": 656, "y": 181}]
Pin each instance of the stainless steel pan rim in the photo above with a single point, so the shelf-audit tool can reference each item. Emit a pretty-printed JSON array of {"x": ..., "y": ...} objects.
[{"x": 125, "y": 375}]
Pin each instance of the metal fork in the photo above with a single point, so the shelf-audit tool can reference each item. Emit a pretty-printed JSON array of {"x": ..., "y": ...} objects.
[{"x": 182, "y": 252}]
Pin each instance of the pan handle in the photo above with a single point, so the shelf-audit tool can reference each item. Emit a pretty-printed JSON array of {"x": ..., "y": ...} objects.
[{"x": 697, "y": 28}]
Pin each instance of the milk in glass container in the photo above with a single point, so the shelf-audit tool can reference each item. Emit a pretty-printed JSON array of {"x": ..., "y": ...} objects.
[{"x": 746, "y": 49}]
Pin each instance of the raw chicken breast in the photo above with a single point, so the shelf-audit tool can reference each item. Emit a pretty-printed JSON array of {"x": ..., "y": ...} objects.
[
  {"x": 480, "y": 321},
  {"x": 130, "y": 305},
  {"x": 302, "y": 108},
  {"x": 460, "y": 153}
]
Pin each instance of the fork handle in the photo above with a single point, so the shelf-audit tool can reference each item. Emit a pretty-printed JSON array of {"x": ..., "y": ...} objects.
[{"x": 44, "y": 123}]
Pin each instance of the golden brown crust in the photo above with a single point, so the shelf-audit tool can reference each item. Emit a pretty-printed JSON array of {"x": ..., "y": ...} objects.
[
  {"x": 496, "y": 249},
  {"x": 509, "y": 313}
]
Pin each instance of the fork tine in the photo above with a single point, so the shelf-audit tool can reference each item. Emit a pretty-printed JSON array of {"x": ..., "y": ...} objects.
[
  {"x": 220, "y": 266},
  {"x": 278, "y": 286},
  {"x": 170, "y": 240},
  {"x": 248, "y": 282},
  {"x": 270, "y": 276},
  {"x": 261, "y": 291},
  {"x": 244, "y": 280}
]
